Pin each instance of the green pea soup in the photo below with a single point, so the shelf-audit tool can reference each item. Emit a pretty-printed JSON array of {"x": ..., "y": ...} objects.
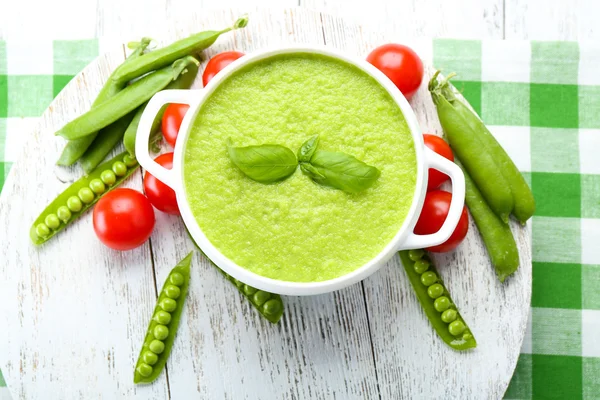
[{"x": 297, "y": 230}]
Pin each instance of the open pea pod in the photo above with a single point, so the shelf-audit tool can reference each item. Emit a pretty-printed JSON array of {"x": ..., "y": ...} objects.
[
  {"x": 164, "y": 323},
  {"x": 81, "y": 196},
  {"x": 436, "y": 301}
]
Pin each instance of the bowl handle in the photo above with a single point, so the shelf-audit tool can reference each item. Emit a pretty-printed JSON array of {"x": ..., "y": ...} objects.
[
  {"x": 435, "y": 161},
  {"x": 142, "y": 152}
]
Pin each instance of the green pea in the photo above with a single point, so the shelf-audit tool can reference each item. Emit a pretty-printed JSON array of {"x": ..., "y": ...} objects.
[
  {"x": 261, "y": 297},
  {"x": 415, "y": 254},
  {"x": 168, "y": 305},
  {"x": 52, "y": 221},
  {"x": 108, "y": 177},
  {"x": 176, "y": 279},
  {"x": 161, "y": 332},
  {"x": 441, "y": 304},
  {"x": 421, "y": 266},
  {"x": 467, "y": 336},
  {"x": 119, "y": 168},
  {"x": 86, "y": 195},
  {"x": 172, "y": 291},
  {"x": 436, "y": 290},
  {"x": 42, "y": 230},
  {"x": 145, "y": 370},
  {"x": 428, "y": 278},
  {"x": 162, "y": 317},
  {"x": 97, "y": 186},
  {"x": 74, "y": 204},
  {"x": 239, "y": 284},
  {"x": 449, "y": 315},
  {"x": 156, "y": 346},
  {"x": 64, "y": 214},
  {"x": 271, "y": 307},
  {"x": 129, "y": 161},
  {"x": 456, "y": 328},
  {"x": 249, "y": 290},
  {"x": 149, "y": 357}
]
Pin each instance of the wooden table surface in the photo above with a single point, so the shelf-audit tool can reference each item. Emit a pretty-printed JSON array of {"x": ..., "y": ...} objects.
[
  {"x": 83, "y": 309},
  {"x": 500, "y": 19}
]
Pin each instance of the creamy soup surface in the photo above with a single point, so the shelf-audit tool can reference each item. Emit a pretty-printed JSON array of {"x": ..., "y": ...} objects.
[{"x": 297, "y": 230}]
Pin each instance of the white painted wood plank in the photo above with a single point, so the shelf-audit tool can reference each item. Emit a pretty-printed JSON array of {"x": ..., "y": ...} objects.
[
  {"x": 469, "y": 19},
  {"x": 58, "y": 19},
  {"x": 552, "y": 20},
  {"x": 224, "y": 349},
  {"x": 72, "y": 304},
  {"x": 537, "y": 19}
]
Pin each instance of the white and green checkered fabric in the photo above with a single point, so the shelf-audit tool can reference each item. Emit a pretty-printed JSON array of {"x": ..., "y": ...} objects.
[{"x": 540, "y": 99}]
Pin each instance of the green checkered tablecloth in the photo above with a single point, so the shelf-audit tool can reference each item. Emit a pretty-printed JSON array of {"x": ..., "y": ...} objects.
[{"x": 540, "y": 99}]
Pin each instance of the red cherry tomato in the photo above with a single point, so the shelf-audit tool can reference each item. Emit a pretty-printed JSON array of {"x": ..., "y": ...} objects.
[
  {"x": 171, "y": 121},
  {"x": 160, "y": 195},
  {"x": 123, "y": 219},
  {"x": 217, "y": 63},
  {"x": 434, "y": 213},
  {"x": 439, "y": 145},
  {"x": 401, "y": 64}
]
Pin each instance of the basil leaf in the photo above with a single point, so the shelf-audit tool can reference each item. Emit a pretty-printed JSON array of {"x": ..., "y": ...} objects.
[
  {"x": 340, "y": 171},
  {"x": 266, "y": 163},
  {"x": 307, "y": 149}
]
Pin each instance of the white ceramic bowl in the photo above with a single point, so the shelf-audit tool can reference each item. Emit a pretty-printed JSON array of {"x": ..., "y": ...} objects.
[{"x": 404, "y": 239}]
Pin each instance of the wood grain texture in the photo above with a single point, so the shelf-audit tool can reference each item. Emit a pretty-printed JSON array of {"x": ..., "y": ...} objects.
[
  {"x": 475, "y": 19},
  {"x": 77, "y": 312},
  {"x": 552, "y": 20},
  {"x": 467, "y": 19}
]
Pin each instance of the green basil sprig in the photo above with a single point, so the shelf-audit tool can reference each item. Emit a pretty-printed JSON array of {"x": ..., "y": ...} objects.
[
  {"x": 338, "y": 170},
  {"x": 265, "y": 163},
  {"x": 268, "y": 163}
]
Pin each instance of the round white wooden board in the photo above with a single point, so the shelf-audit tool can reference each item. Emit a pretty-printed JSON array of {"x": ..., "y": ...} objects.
[{"x": 74, "y": 312}]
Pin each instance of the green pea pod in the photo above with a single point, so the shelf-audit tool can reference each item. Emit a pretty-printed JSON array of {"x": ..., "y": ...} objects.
[
  {"x": 496, "y": 235},
  {"x": 164, "y": 323},
  {"x": 436, "y": 301},
  {"x": 184, "y": 81},
  {"x": 105, "y": 142},
  {"x": 81, "y": 196},
  {"x": 524, "y": 204},
  {"x": 74, "y": 149},
  {"x": 165, "y": 56},
  {"x": 124, "y": 102},
  {"x": 269, "y": 305},
  {"x": 468, "y": 147}
]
